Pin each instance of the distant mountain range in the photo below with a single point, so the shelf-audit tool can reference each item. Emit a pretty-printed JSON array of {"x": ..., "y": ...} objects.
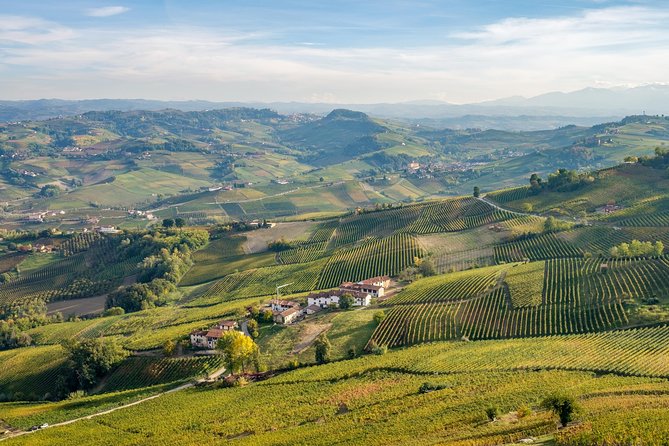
[{"x": 583, "y": 107}]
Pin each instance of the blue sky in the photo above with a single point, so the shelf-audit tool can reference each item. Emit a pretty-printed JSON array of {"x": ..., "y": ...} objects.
[{"x": 336, "y": 51}]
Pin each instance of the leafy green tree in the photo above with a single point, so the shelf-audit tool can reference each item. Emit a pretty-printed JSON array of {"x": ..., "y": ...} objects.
[
  {"x": 252, "y": 327},
  {"x": 352, "y": 352},
  {"x": 179, "y": 222},
  {"x": 238, "y": 350},
  {"x": 658, "y": 248},
  {"x": 323, "y": 349},
  {"x": 346, "y": 301},
  {"x": 379, "y": 316},
  {"x": 477, "y": 192},
  {"x": 427, "y": 268},
  {"x": 279, "y": 245},
  {"x": 492, "y": 413},
  {"x": 169, "y": 347},
  {"x": 168, "y": 222},
  {"x": 535, "y": 183},
  {"x": 91, "y": 359},
  {"x": 564, "y": 406},
  {"x": 49, "y": 191},
  {"x": 114, "y": 311}
]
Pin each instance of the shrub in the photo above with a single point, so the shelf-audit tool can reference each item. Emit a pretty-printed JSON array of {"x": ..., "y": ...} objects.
[
  {"x": 564, "y": 406},
  {"x": 492, "y": 412},
  {"x": 523, "y": 411}
]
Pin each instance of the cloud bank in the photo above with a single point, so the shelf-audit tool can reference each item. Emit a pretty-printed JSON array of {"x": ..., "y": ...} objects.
[{"x": 511, "y": 56}]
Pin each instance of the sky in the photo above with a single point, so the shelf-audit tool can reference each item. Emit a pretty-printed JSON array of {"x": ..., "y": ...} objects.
[{"x": 359, "y": 51}]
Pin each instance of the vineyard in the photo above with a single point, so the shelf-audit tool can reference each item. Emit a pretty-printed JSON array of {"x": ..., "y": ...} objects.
[
  {"x": 452, "y": 287},
  {"x": 262, "y": 281},
  {"x": 324, "y": 404},
  {"x": 93, "y": 271},
  {"x": 79, "y": 243},
  {"x": 143, "y": 371},
  {"x": 629, "y": 352},
  {"x": 376, "y": 257},
  {"x": 304, "y": 253},
  {"x": 558, "y": 296},
  {"x": 598, "y": 240},
  {"x": 541, "y": 247},
  {"x": 508, "y": 195},
  {"x": 29, "y": 373}
]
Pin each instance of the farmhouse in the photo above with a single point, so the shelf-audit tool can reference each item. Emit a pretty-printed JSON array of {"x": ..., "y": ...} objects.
[
  {"x": 288, "y": 316},
  {"x": 282, "y": 305},
  {"x": 206, "y": 338},
  {"x": 328, "y": 298},
  {"x": 35, "y": 218},
  {"x": 362, "y": 287},
  {"x": 209, "y": 338},
  {"x": 285, "y": 311},
  {"x": 313, "y": 309},
  {"x": 226, "y": 325},
  {"x": 383, "y": 281},
  {"x": 108, "y": 230}
]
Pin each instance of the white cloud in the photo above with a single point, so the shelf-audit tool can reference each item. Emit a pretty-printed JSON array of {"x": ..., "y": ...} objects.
[
  {"x": 610, "y": 46},
  {"x": 31, "y": 30},
  {"x": 106, "y": 11}
]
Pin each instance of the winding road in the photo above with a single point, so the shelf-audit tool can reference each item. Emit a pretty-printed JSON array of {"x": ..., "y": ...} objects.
[{"x": 211, "y": 377}]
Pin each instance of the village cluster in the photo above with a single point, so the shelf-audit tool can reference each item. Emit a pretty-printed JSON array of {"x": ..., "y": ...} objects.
[{"x": 287, "y": 312}]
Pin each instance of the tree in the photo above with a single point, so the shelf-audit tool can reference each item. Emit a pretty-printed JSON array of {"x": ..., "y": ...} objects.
[
  {"x": 379, "y": 316},
  {"x": 90, "y": 359},
  {"x": 114, "y": 311},
  {"x": 658, "y": 248},
  {"x": 477, "y": 192},
  {"x": 168, "y": 222},
  {"x": 321, "y": 179},
  {"x": 492, "y": 412},
  {"x": 352, "y": 353},
  {"x": 49, "y": 191},
  {"x": 169, "y": 347},
  {"x": 252, "y": 327},
  {"x": 427, "y": 268},
  {"x": 346, "y": 301},
  {"x": 179, "y": 222},
  {"x": 561, "y": 405},
  {"x": 279, "y": 245},
  {"x": 527, "y": 207},
  {"x": 238, "y": 350},
  {"x": 323, "y": 348},
  {"x": 535, "y": 184}
]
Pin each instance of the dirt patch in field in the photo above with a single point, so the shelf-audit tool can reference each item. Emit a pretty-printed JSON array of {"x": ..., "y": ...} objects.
[
  {"x": 79, "y": 307},
  {"x": 256, "y": 241},
  {"x": 308, "y": 335}
]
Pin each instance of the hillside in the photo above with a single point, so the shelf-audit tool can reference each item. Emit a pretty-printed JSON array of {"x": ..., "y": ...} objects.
[
  {"x": 499, "y": 300},
  {"x": 242, "y": 164}
]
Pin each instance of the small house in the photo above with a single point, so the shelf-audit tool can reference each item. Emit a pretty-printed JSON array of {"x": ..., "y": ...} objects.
[
  {"x": 313, "y": 309},
  {"x": 226, "y": 325},
  {"x": 206, "y": 338},
  {"x": 287, "y": 316}
]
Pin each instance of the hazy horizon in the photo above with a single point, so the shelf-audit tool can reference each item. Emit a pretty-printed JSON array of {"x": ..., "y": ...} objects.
[{"x": 343, "y": 52}]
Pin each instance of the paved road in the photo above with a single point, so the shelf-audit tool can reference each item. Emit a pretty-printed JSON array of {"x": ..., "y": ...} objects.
[
  {"x": 524, "y": 214},
  {"x": 496, "y": 206},
  {"x": 212, "y": 376}
]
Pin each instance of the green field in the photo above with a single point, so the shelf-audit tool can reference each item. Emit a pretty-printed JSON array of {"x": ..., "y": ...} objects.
[{"x": 322, "y": 405}]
